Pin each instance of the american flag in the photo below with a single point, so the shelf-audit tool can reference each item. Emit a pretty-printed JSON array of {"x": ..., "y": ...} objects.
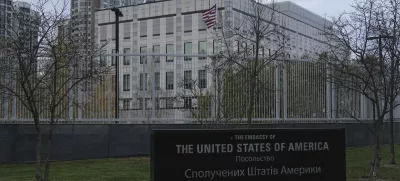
[{"x": 210, "y": 16}]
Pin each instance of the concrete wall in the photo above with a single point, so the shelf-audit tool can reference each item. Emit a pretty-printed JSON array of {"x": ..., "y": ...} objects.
[{"x": 73, "y": 142}]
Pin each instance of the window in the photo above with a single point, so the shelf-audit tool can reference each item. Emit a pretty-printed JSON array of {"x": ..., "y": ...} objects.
[
  {"x": 187, "y": 23},
  {"x": 217, "y": 45},
  {"x": 143, "y": 84},
  {"x": 188, "y": 50},
  {"x": 202, "y": 49},
  {"x": 261, "y": 51},
  {"x": 202, "y": 79},
  {"x": 103, "y": 59},
  {"x": 127, "y": 58},
  {"x": 157, "y": 80},
  {"x": 170, "y": 50},
  {"x": 156, "y": 49},
  {"x": 187, "y": 102},
  {"x": 157, "y": 103},
  {"x": 143, "y": 28},
  {"x": 126, "y": 104},
  {"x": 169, "y": 80},
  {"x": 113, "y": 59},
  {"x": 187, "y": 80},
  {"x": 143, "y": 58},
  {"x": 141, "y": 103},
  {"x": 156, "y": 27},
  {"x": 126, "y": 81},
  {"x": 170, "y": 26},
  {"x": 169, "y": 103},
  {"x": 127, "y": 30}
]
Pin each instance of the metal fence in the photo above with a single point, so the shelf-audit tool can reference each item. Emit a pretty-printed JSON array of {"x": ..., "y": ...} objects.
[{"x": 159, "y": 86}]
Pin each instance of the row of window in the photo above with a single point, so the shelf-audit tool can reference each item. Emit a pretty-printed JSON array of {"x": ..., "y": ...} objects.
[
  {"x": 167, "y": 103},
  {"x": 169, "y": 49},
  {"x": 169, "y": 80}
]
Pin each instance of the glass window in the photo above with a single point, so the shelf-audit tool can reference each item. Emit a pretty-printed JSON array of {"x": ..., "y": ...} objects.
[
  {"x": 157, "y": 80},
  {"x": 169, "y": 103},
  {"x": 143, "y": 58},
  {"x": 113, "y": 59},
  {"x": 187, "y": 102},
  {"x": 202, "y": 79},
  {"x": 127, "y": 58},
  {"x": 169, "y": 80},
  {"x": 126, "y": 104},
  {"x": 202, "y": 49},
  {"x": 103, "y": 58},
  {"x": 126, "y": 81},
  {"x": 156, "y": 49},
  {"x": 141, "y": 103},
  {"x": 157, "y": 103},
  {"x": 217, "y": 46},
  {"x": 170, "y": 25},
  {"x": 188, "y": 50},
  {"x": 170, "y": 50},
  {"x": 143, "y": 84},
  {"x": 187, "y": 81}
]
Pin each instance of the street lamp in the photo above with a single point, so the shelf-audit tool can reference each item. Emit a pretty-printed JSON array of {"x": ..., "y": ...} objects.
[
  {"x": 118, "y": 14},
  {"x": 380, "y": 37}
]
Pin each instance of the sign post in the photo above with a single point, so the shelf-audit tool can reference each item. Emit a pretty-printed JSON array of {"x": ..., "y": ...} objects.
[{"x": 249, "y": 155}]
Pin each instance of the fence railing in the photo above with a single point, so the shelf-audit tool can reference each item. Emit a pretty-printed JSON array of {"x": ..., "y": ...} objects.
[{"x": 190, "y": 121}]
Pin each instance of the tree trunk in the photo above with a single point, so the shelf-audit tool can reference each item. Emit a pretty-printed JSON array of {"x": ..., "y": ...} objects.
[
  {"x": 38, "y": 149},
  {"x": 375, "y": 164},
  {"x": 391, "y": 135},
  {"x": 251, "y": 103},
  {"x": 49, "y": 152}
]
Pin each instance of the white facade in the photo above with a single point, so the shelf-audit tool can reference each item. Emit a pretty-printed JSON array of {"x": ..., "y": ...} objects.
[{"x": 178, "y": 22}]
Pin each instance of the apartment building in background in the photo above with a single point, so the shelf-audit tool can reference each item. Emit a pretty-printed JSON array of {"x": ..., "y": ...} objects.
[
  {"x": 5, "y": 14},
  {"x": 19, "y": 20}
]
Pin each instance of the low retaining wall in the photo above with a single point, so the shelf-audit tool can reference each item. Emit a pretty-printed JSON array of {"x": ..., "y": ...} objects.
[{"x": 79, "y": 141}]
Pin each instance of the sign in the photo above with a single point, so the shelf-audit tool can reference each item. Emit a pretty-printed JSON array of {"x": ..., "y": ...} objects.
[{"x": 249, "y": 155}]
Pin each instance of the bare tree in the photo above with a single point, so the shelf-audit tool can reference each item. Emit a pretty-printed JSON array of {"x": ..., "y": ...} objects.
[
  {"x": 209, "y": 106},
  {"x": 358, "y": 62},
  {"x": 248, "y": 45},
  {"x": 43, "y": 65}
]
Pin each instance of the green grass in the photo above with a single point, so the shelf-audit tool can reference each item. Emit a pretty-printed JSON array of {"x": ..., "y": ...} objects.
[{"x": 137, "y": 169}]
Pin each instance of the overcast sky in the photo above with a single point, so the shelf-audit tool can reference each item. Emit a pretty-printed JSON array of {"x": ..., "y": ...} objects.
[
  {"x": 321, "y": 7},
  {"x": 325, "y": 7}
]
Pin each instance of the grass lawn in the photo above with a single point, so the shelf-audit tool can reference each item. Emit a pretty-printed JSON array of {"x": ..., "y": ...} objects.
[{"x": 137, "y": 169}]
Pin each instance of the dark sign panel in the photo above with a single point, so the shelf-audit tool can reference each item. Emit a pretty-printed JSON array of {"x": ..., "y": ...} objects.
[{"x": 249, "y": 155}]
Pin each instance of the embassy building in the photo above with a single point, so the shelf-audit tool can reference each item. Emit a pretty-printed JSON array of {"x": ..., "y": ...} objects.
[{"x": 150, "y": 85}]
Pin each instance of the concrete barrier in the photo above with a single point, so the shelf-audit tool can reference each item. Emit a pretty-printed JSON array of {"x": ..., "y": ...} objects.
[{"x": 88, "y": 141}]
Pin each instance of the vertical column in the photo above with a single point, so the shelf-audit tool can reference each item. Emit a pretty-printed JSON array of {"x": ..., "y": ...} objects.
[
  {"x": 14, "y": 107},
  {"x": 80, "y": 102},
  {"x": 363, "y": 107},
  {"x": 277, "y": 91},
  {"x": 328, "y": 94},
  {"x": 153, "y": 89},
  {"x": 6, "y": 104},
  {"x": 333, "y": 100},
  {"x": 284, "y": 90},
  {"x": 70, "y": 98},
  {"x": 144, "y": 83}
]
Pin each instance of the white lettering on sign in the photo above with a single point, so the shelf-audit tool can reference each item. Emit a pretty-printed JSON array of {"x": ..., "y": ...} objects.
[
  {"x": 255, "y": 159},
  {"x": 193, "y": 174},
  {"x": 300, "y": 171},
  {"x": 254, "y": 171},
  {"x": 253, "y": 147},
  {"x": 215, "y": 148},
  {"x": 309, "y": 146},
  {"x": 182, "y": 149}
]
